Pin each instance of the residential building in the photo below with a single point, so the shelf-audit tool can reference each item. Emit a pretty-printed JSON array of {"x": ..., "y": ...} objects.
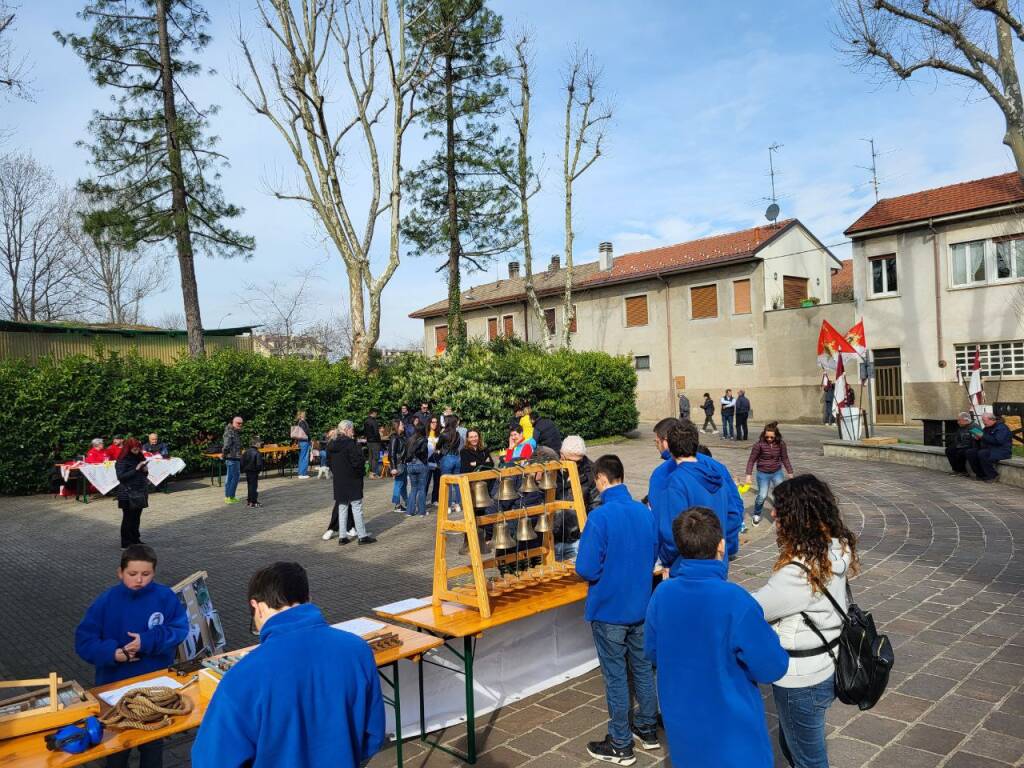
[
  {"x": 701, "y": 316},
  {"x": 281, "y": 345},
  {"x": 938, "y": 274}
]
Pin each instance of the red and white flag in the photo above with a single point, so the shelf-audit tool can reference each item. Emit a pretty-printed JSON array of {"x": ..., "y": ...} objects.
[
  {"x": 831, "y": 344},
  {"x": 839, "y": 400},
  {"x": 859, "y": 341},
  {"x": 974, "y": 386}
]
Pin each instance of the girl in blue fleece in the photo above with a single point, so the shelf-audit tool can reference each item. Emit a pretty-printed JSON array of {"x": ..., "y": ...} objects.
[
  {"x": 711, "y": 646},
  {"x": 132, "y": 629}
]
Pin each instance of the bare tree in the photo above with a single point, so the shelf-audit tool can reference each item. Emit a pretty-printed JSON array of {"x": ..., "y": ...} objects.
[
  {"x": 283, "y": 309},
  {"x": 173, "y": 321},
  {"x": 334, "y": 336},
  {"x": 585, "y": 124},
  {"x": 525, "y": 180},
  {"x": 35, "y": 251},
  {"x": 293, "y": 92},
  {"x": 114, "y": 280},
  {"x": 970, "y": 39},
  {"x": 13, "y": 71}
]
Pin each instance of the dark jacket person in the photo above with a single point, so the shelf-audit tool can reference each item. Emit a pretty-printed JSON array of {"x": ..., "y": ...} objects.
[
  {"x": 345, "y": 459},
  {"x": 132, "y": 493}
]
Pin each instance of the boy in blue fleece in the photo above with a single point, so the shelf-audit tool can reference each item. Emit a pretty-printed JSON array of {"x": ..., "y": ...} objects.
[
  {"x": 308, "y": 696},
  {"x": 132, "y": 629},
  {"x": 711, "y": 647},
  {"x": 696, "y": 481},
  {"x": 616, "y": 556},
  {"x": 658, "y": 484}
]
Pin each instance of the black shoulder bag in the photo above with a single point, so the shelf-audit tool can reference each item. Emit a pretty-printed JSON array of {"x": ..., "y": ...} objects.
[{"x": 864, "y": 657}]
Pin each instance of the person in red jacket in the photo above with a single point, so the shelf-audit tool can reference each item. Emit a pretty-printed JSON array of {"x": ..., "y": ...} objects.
[
  {"x": 769, "y": 455},
  {"x": 96, "y": 454},
  {"x": 114, "y": 449}
]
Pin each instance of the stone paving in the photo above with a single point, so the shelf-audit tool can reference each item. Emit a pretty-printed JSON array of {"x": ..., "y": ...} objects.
[{"x": 942, "y": 572}]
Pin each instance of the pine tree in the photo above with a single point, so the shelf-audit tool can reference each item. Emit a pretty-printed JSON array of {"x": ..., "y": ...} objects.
[
  {"x": 156, "y": 167},
  {"x": 464, "y": 207}
]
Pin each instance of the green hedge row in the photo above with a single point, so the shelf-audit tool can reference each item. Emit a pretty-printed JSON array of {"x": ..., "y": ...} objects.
[{"x": 52, "y": 409}]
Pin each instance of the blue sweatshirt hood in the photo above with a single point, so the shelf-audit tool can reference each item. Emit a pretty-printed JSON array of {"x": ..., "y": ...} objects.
[
  {"x": 703, "y": 472},
  {"x": 666, "y": 455},
  {"x": 298, "y": 617},
  {"x": 700, "y": 569}
]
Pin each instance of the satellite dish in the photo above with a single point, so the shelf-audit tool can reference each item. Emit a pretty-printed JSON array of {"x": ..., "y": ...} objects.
[{"x": 772, "y": 214}]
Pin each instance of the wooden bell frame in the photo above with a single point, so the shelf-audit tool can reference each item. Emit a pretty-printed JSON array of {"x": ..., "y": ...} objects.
[
  {"x": 477, "y": 596},
  {"x": 33, "y": 716}
]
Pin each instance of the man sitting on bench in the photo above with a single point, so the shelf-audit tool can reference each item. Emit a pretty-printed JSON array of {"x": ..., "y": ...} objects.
[
  {"x": 991, "y": 446},
  {"x": 962, "y": 442}
]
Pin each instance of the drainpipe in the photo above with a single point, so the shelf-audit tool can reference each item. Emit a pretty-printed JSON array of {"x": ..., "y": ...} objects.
[
  {"x": 938, "y": 294},
  {"x": 668, "y": 346},
  {"x": 526, "y": 321}
]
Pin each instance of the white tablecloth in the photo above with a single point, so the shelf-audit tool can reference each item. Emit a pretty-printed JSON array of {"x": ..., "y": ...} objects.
[
  {"x": 104, "y": 477},
  {"x": 161, "y": 469}
]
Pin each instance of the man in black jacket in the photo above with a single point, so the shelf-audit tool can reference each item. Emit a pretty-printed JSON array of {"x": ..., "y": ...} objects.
[
  {"x": 371, "y": 431},
  {"x": 742, "y": 414},
  {"x": 546, "y": 433},
  {"x": 347, "y": 465},
  {"x": 963, "y": 441}
]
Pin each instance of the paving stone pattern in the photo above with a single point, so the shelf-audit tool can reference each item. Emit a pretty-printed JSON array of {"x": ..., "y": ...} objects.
[{"x": 942, "y": 572}]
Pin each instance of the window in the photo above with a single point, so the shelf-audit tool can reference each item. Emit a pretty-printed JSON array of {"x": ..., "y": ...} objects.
[
  {"x": 703, "y": 302},
  {"x": 745, "y": 356},
  {"x": 741, "y": 297},
  {"x": 1009, "y": 257},
  {"x": 508, "y": 321},
  {"x": 642, "y": 362},
  {"x": 572, "y": 325},
  {"x": 794, "y": 291},
  {"x": 549, "y": 319},
  {"x": 492, "y": 328},
  {"x": 636, "y": 311},
  {"x": 883, "y": 274},
  {"x": 969, "y": 263},
  {"x": 999, "y": 359},
  {"x": 440, "y": 339}
]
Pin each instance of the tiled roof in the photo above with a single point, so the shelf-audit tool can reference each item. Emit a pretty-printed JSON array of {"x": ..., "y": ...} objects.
[
  {"x": 694, "y": 254},
  {"x": 956, "y": 198},
  {"x": 842, "y": 280}
]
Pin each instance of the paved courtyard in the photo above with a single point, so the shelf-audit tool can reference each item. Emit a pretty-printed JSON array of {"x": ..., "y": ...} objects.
[{"x": 942, "y": 572}]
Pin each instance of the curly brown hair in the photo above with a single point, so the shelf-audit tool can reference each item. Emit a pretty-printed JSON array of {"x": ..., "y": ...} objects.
[{"x": 807, "y": 518}]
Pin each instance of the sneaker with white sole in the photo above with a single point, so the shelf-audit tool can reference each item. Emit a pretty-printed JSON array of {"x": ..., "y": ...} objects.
[
  {"x": 756, "y": 519},
  {"x": 328, "y": 534},
  {"x": 302, "y": 477},
  {"x": 609, "y": 753},
  {"x": 646, "y": 739}
]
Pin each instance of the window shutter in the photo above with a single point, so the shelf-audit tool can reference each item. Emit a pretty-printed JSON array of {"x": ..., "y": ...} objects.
[
  {"x": 572, "y": 325},
  {"x": 704, "y": 302},
  {"x": 794, "y": 290},
  {"x": 636, "y": 311},
  {"x": 509, "y": 324},
  {"x": 441, "y": 338},
  {"x": 741, "y": 297},
  {"x": 492, "y": 328},
  {"x": 549, "y": 319}
]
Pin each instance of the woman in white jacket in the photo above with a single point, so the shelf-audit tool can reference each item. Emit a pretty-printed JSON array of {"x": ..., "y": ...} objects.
[{"x": 816, "y": 551}]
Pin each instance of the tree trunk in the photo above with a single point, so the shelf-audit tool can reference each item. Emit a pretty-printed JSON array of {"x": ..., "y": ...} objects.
[
  {"x": 179, "y": 202},
  {"x": 1013, "y": 111},
  {"x": 456, "y": 325},
  {"x": 567, "y": 313}
]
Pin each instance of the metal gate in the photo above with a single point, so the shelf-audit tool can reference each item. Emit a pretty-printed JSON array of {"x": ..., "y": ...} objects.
[{"x": 888, "y": 386}]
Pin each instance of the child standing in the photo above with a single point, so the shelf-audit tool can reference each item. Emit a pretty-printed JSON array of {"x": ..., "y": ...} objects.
[
  {"x": 711, "y": 647},
  {"x": 616, "y": 556},
  {"x": 132, "y": 629},
  {"x": 252, "y": 465}
]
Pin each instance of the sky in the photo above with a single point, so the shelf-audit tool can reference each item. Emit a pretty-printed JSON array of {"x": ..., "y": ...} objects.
[{"x": 699, "y": 91}]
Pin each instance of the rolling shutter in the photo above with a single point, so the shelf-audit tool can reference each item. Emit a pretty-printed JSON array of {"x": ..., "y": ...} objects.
[
  {"x": 509, "y": 324},
  {"x": 549, "y": 319},
  {"x": 704, "y": 302},
  {"x": 572, "y": 325},
  {"x": 741, "y": 297},
  {"x": 794, "y": 290},
  {"x": 636, "y": 311},
  {"x": 492, "y": 328},
  {"x": 441, "y": 338}
]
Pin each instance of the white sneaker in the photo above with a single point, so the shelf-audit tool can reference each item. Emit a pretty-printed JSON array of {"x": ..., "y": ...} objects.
[
  {"x": 302, "y": 477},
  {"x": 328, "y": 534},
  {"x": 351, "y": 534}
]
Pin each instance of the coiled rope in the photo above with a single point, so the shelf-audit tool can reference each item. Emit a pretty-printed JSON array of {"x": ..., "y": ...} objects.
[{"x": 147, "y": 709}]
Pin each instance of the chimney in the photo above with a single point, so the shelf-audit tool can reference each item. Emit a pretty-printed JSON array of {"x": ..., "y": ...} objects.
[
  {"x": 513, "y": 270},
  {"x": 556, "y": 263},
  {"x": 604, "y": 256}
]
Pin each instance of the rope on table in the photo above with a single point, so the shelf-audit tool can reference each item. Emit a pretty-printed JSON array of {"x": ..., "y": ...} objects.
[{"x": 147, "y": 709}]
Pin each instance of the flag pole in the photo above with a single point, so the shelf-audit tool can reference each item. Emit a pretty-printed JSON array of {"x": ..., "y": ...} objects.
[{"x": 970, "y": 400}]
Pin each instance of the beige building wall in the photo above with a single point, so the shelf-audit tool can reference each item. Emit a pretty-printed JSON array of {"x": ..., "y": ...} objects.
[{"x": 926, "y": 329}]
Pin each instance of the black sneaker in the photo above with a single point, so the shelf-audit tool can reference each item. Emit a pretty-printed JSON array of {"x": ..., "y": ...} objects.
[
  {"x": 605, "y": 750},
  {"x": 255, "y": 504},
  {"x": 646, "y": 739},
  {"x": 343, "y": 540},
  {"x": 367, "y": 540}
]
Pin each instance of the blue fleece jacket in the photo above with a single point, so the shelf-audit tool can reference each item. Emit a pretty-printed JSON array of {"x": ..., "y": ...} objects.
[
  {"x": 307, "y": 696},
  {"x": 691, "y": 484},
  {"x": 658, "y": 484},
  {"x": 733, "y": 520},
  {"x": 711, "y": 646},
  {"x": 616, "y": 555},
  {"x": 154, "y": 612}
]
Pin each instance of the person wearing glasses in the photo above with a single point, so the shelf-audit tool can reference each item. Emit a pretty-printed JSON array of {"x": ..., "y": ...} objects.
[
  {"x": 769, "y": 455},
  {"x": 308, "y": 696}
]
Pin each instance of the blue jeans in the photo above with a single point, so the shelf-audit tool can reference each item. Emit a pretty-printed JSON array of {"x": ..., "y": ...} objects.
[
  {"x": 418, "y": 474},
  {"x": 619, "y": 645},
  {"x": 566, "y": 550},
  {"x": 400, "y": 489},
  {"x": 765, "y": 482},
  {"x": 234, "y": 471},
  {"x": 802, "y": 722},
  {"x": 450, "y": 465},
  {"x": 727, "y": 430},
  {"x": 303, "y": 457}
]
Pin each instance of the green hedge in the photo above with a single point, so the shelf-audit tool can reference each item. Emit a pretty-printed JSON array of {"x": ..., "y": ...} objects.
[{"x": 52, "y": 409}]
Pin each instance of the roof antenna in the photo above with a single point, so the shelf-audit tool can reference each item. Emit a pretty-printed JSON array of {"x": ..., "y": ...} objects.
[
  {"x": 874, "y": 166},
  {"x": 772, "y": 213}
]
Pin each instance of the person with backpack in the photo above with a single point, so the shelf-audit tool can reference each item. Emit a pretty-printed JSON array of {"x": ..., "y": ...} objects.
[
  {"x": 709, "y": 414},
  {"x": 449, "y": 461},
  {"x": 817, "y": 552}
]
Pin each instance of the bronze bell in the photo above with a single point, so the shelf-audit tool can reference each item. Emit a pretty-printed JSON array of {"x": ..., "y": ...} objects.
[
  {"x": 529, "y": 484},
  {"x": 525, "y": 531},
  {"x": 502, "y": 538},
  {"x": 481, "y": 498},
  {"x": 464, "y": 548},
  {"x": 507, "y": 491},
  {"x": 543, "y": 524},
  {"x": 547, "y": 481}
]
